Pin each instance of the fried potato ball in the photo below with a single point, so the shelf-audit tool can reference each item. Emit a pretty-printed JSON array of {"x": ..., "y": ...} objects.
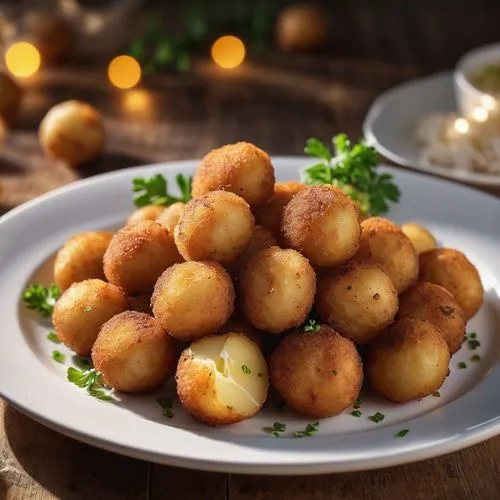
[
  {"x": 318, "y": 374},
  {"x": 420, "y": 237},
  {"x": 238, "y": 324},
  {"x": 137, "y": 255},
  {"x": 385, "y": 244},
  {"x": 81, "y": 258},
  {"x": 149, "y": 212},
  {"x": 171, "y": 215},
  {"x": 134, "y": 353},
  {"x": 322, "y": 223},
  {"x": 240, "y": 168},
  {"x": 454, "y": 271},
  {"x": 141, "y": 303},
  {"x": 81, "y": 311},
  {"x": 408, "y": 360},
  {"x": 193, "y": 299},
  {"x": 277, "y": 289},
  {"x": 270, "y": 214},
  {"x": 222, "y": 379},
  {"x": 357, "y": 299},
  {"x": 216, "y": 226},
  {"x": 72, "y": 131},
  {"x": 261, "y": 239},
  {"x": 435, "y": 304}
]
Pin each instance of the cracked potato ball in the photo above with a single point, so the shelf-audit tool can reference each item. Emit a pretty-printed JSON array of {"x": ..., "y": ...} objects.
[
  {"x": 134, "y": 353},
  {"x": 277, "y": 289},
  {"x": 222, "y": 379},
  {"x": 318, "y": 374},
  {"x": 81, "y": 311},
  {"x": 322, "y": 223},
  {"x": 240, "y": 168},
  {"x": 193, "y": 299},
  {"x": 81, "y": 258}
]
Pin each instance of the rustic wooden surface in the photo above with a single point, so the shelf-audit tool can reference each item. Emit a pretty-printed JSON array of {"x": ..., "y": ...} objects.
[{"x": 275, "y": 103}]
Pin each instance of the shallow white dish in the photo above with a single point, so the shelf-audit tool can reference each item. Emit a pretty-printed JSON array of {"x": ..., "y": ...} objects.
[
  {"x": 467, "y": 412},
  {"x": 391, "y": 118}
]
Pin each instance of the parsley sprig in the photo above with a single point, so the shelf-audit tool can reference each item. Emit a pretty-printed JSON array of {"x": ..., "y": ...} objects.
[
  {"x": 311, "y": 429},
  {"x": 154, "y": 191},
  {"x": 312, "y": 326},
  {"x": 354, "y": 170},
  {"x": 276, "y": 430},
  {"x": 166, "y": 406},
  {"x": 90, "y": 380},
  {"x": 42, "y": 298}
]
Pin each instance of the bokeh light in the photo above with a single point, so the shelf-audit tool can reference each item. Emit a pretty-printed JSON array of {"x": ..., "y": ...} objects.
[
  {"x": 488, "y": 102},
  {"x": 124, "y": 72},
  {"x": 23, "y": 59},
  {"x": 228, "y": 52},
  {"x": 462, "y": 125},
  {"x": 480, "y": 114},
  {"x": 138, "y": 104}
]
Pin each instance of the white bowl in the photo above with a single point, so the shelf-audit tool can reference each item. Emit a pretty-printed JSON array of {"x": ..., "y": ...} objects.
[{"x": 467, "y": 95}]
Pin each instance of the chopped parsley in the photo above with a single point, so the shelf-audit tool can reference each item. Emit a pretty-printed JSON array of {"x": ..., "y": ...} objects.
[
  {"x": 462, "y": 365},
  {"x": 245, "y": 370},
  {"x": 475, "y": 357},
  {"x": 91, "y": 380},
  {"x": 82, "y": 362},
  {"x": 260, "y": 374},
  {"x": 473, "y": 344},
  {"x": 53, "y": 338},
  {"x": 402, "y": 433},
  {"x": 41, "y": 298},
  {"x": 377, "y": 418},
  {"x": 276, "y": 430},
  {"x": 87, "y": 309},
  {"x": 312, "y": 326},
  {"x": 166, "y": 405},
  {"x": 58, "y": 356},
  {"x": 472, "y": 335},
  {"x": 436, "y": 394},
  {"x": 311, "y": 429},
  {"x": 356, "y": 413}
]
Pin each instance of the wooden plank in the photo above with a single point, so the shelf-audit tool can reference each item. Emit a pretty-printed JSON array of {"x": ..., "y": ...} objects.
[
  {"x": 40, "y": 464},
  {"x": 184, "y": 484},
  {"x": 472, "y": 474}
]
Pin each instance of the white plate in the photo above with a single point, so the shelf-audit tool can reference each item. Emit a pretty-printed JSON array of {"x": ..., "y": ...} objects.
[
  {"x": 389, "y": 123},
  {"x": 467, "y": 412}
]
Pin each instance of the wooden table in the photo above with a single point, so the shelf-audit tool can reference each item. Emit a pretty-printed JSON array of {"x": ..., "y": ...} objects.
[{"x": 276, "y": 106}]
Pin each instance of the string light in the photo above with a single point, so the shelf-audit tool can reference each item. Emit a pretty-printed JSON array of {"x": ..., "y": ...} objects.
[
  {"x": 488, "y": 102},
  {"x": 23, "y": 59},
  {"x": 124, "y": 72},
  {"x": 461, "y": 125},
  {"x": 138, "y": 103},
  {"x": 480, "y": 114},
  {"x": 228, "y": 52}
]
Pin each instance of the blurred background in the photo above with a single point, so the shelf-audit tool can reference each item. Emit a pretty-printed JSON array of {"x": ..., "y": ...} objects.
[{"x": 172, "y": 80}]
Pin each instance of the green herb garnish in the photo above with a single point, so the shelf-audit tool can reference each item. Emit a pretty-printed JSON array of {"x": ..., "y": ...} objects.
[
  {"x": 462, "y": 365},
  {"x": 473, "y": 344},
  {"x": 90, "y": 380},
  {"x": 42, "y": 298},
  {"x": 476, "y": 357},
  {"x": 436, "y": 394},
  {"x": 260, "y": 374},
  {"x": 82, "y": 362},
  {"x": 245, "y": 369},
  {"x": 311, "y": 429},
  {"x": 312, "y": 326},
  {"x": 472, "y": 335},
  {"x": 402, "y": 433},
  {"x": 58, "y": 356},
  {"x": 53, "y": 338},
  {"x": 276, "y": 430},
  {"x": 166, "y": 405},
  {"x": 356, "y": 413},
  {"x": 154, "y": 191},
  {"x": 354, "y": 170},
  {"x": 377, "y": 418},
  {"x": 87, "y": 309}
]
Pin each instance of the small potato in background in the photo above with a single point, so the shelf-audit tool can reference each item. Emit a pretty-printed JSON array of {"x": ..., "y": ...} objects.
[
  {"x": 452, "y": 270},
  {"x": 270, "y": 214},
  {"x": 81, "y": 258},
  {"x": 433, "y": 303},
  {"x": 408, "y": 361},
  {"x": 385, "y": 244},
  {"x": 322, "y": 223},
  {"x": 222, "y": 379},
  {"x": 193, "y": 299},
  {"x": 261, "y": 239},
  {"x": 137, "y": 255},
  {"x": 216, "y": 226},
  {"x": 72, "y": 131},
  {"x": 318, "y": 374},
  {"x": 149, "y": 212},
  {"x": 277, "y": 290},
  {"x": 420, "y": 237},
  {"x": 81, "y": 311},
  {"x": 358, "y": 300},
  {"x": 240, "y": 168},
  {"x": 171, "y": 215},
  {"x": 134, "y": 353}
]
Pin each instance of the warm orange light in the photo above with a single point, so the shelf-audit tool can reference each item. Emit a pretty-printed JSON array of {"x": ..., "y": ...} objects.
[
  {"x": 124, "y": 72},
  {"x": 138, "y": 103},
  {"x": 228, "y": 52},
  {"x": 22, "y": 59}
]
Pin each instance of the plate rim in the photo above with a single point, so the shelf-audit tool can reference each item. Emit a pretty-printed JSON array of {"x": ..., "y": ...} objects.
[{"x": 230, "y": 465}]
